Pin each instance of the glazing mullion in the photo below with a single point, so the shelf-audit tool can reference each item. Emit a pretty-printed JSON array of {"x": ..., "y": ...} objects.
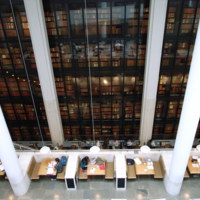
[
  {"x": 87, "y": 58},
  {"x": 99, "y": 70},
  {"x": 136, "y": 38}
]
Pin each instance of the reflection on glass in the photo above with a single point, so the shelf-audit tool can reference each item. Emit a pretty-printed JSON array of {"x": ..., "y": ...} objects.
[
  {"x": 104, "y": 19},
  {"x": 76, "y": 19}
]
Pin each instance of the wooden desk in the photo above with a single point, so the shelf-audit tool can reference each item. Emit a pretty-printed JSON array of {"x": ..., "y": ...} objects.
[
  {"x": 43, "y": 167},
  {"x": 95, "y": 170},
  {"x": 142, "y": 169},
  {"x": 2, "y": 173},
  {"x": 191, "y": 168}
]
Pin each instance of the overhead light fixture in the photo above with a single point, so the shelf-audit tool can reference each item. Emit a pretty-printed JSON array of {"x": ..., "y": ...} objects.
[
  {"x": 45, "y": 150},
  {"x": 105, "y": 81},
  {"x": 94, "y": 149},
  {"x": 198, "y": 147},
  {"x": 145, "y": 149}
]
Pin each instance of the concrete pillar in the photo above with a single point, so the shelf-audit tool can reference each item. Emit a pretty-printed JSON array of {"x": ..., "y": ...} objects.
[
  {"x": 39, "y": 38},
  {"x": 187, "y": 126},
  {"x": 19, "y": 181},
  {"x": 157, "y": 18}
]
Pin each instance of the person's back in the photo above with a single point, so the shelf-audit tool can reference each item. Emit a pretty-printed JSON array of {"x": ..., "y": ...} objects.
[{"x": 59, "y": 166}]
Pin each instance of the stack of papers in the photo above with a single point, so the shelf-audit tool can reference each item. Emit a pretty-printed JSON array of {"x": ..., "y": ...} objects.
[
  {"x": 195, "y": 157},
  {"x": 49, "y": 170},
  {"x": 137, "y": 161},
  {"x": 92, "y": 170},
  {"x": 150, "y": 163},
  {"x": 195, "y": 165},
  {"x": 2, "y": 168},
  {"x": 150, "y": 167}
]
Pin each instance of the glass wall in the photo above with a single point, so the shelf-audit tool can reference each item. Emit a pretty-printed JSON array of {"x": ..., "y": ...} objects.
[
  {"x": 109, "y": 39},
  {"x": 180, "y": 32}
]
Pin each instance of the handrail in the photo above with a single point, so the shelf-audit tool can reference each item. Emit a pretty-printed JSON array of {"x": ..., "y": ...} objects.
[{"x": 22, "y": 146}]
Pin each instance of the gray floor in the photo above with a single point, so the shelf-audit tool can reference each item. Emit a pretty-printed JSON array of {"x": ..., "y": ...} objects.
[{"x": 140, "y": 189}]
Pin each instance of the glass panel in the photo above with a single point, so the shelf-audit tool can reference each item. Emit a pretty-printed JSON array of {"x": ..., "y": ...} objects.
[
  {"x": 106, "y": 110},
  {"x": 76, "y": 19},
  {"x": 129, "y": 110},
  {"x": 85, "y": 110},
  {"x": 82, "y": 83},
  {"x": 164, "y": 84},
  {"x": 96, "y": 111},
  {"x": 66, "y": 55},
  {"x": 116, "y": 107},
  {"x": 8, "y": 24},
  {"x": 131, "y": 53},
  {"x": 171, "y": 19},
  {"x": 91, "y": 16},
  {"x": 9, "y": 111},
  {"x": 129, "y": 85},
  {"x": 3, "y": 88},
  {"x": 116, "y": 85},
  {"x": 117, "y": 18},
  {"x": 105, "y": 85},
  {"x": 64, "y": 111},
  {"x": 117, "y": 53},
  {"x": 73, "y": 111},
  {"x": 104, "y": 19},
  {"x": 132, "y": 15},
  {"x": 105, "y": 53}
]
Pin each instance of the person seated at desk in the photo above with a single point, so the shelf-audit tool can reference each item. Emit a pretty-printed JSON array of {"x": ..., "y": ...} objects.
[
  {"x": 116, "y": 144},
  {"x": 129, "y": 144},
  {"x": 153, "y": 144},
  {"x": 84, "y": 163},
  {"x": 59, "y": 167},
  {"x": 105, "y": 144}
]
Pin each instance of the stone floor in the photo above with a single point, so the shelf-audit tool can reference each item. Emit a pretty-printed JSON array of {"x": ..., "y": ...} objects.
[{"x": 141, "y": 189}]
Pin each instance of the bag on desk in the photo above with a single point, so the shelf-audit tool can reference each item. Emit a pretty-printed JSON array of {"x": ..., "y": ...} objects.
[
  {"x": 101, "y": 166},
  {"x": 194, "y": 160},
  {"x": 63, "y": 160},
  {"x": 130, "y": 161}
]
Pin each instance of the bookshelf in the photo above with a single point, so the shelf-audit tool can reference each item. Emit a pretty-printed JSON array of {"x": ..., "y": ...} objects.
[
  {"x": 70, "y": 90},
  {"x": 24, "y": 23},
  {"x": 106, "y": 110},
  {"x": 13, "y": 87},
  {"x": 62, "y": 22},
  {"x": 3, "y": 88},
  {"x": 8, "y": 24},
  {"x": 97, "y": 110},
  {"x": 64, "y": 111},
  {"x": 116, "y": 107},
  {"x": 128, "y": 110},
  {"x": 9, "y": 111},
  {"x": 55, "y": 57},
  {"x": 85, "y": 110},
  {"x": 24, "y": 88},
  {"x": 76, "y": 19},
  {"x": 187, "y": 20},
  {"x": 50, "y": 23},
  {"x": 60, "y": 86},
  {"x": 171, "y": 19}
]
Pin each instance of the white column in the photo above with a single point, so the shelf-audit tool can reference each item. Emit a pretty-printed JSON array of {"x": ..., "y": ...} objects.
[
  {"x": 18, "y": 180},
  {"x": 157, "y": 18},
  {"x": 36, "y": 20},
  {"x": 187, "y": 126}
]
